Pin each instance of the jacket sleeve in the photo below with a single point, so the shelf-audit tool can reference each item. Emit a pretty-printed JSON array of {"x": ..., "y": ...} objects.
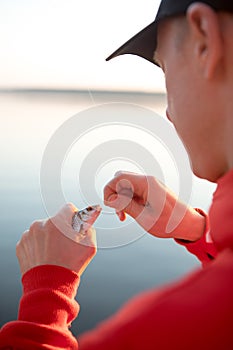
[
  {"x": 46, "y": 311},
  {"x": 204, "y": 249},
  {"x": 48, "y": 307}
]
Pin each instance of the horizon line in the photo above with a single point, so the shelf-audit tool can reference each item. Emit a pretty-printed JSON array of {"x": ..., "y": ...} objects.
[{"x": 77, "y": 90}]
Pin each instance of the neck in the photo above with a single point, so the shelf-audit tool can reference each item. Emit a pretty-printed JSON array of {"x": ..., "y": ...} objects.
[
  {"x": 221, "y": 213},
  {"x": 228, "y": 132}
]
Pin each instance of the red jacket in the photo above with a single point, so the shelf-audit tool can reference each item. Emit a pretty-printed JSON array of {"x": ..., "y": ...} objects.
[{"x": 191, "y": 314}]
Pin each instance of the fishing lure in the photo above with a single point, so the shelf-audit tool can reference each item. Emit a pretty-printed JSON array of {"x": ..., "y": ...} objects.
[{"x": 85, "y": 218}]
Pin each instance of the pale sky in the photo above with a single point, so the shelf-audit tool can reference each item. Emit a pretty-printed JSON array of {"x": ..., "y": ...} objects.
[{"x": 64, "y": 43}]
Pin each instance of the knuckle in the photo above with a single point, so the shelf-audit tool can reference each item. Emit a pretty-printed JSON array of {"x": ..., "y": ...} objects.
[
  {"x": 17, "y": 248},
  {"x": 23, "y": 238},
  {"x": 92, "y": 250},
  {"x": 68, "y": 209},
  {"x": 69, "y": 206},
  {"x": 151, "y": 180},
  {"x": 66, "y": 212},
  {"x": 35, "y": 226},
  {"x": 21, "y": 244},
  {"x": 49, "y": 225}
]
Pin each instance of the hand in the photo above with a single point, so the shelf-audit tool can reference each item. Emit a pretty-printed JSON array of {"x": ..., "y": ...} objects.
[
  {"x": 44, "y": 243},
  {"x": 153, "y": 206}
]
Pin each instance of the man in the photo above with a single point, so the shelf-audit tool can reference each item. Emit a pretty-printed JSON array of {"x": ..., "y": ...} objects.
[{"x": 192, "y": 43}]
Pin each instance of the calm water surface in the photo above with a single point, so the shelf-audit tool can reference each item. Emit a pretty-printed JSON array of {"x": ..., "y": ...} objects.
[{"x": 28, "y": 121}]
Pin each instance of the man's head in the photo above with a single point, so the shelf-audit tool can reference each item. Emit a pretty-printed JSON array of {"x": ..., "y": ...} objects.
[
  {"x": 144, "y": 43},
  {"x": 192, "y": 43}
]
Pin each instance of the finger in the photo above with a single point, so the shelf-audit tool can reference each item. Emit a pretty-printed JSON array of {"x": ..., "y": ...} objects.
[
  {"x": 122, "y": 172},
  {"x": 67, "y": 212},
  {"x": 22, "y": 252},
  {"x": 114, "y": 202},
  {"x": 89, "y": 239},
  {"x": 119, "y": 201},
  {"x": 116, "y": 185},
  {"x": 135, "y": 183},
  {"x": 121, "y": 215},
  {"x": 125, "y": 205},
  {"x": 63, "y": 222},
  {"x": 128, "y": 193}
]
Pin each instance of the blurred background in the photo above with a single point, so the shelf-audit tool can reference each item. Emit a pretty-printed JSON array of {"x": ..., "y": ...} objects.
[
  {"x": 53, "y": 67},
  {"x": 59, "y": 44}
]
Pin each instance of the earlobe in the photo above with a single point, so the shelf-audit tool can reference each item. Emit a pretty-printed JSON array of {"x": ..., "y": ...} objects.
[{"x": 207, "y": 40}]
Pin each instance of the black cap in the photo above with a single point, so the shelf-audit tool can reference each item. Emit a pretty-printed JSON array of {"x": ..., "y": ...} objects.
[{"x": 144, "y": 43}]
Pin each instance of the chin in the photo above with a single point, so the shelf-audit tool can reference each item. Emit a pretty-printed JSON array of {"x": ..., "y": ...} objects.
[
  {"x": 207, "y": 173},
  {"x": 206, "y": 165}
]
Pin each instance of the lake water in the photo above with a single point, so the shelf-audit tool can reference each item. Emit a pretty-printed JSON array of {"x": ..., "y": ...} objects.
[{"x": 89, "y": 149}]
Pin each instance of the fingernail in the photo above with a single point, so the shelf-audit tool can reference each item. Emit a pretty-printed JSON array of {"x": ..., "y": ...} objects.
[
  {"x": 118, "y": 173},
  {"x": 112, "y": 198}
]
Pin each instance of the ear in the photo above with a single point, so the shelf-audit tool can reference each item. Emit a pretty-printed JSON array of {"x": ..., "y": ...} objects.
[{"x": 206, "y": 33}]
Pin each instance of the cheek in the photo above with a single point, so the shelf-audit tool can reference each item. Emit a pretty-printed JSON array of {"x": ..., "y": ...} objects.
[
  {"x": 171, "y": 89},
  {"x": 176, "y": 101},
  {"x": 182, "y": 112},
  {"x": 182, "y": 107},
  {"x": 179, "y": 89}
]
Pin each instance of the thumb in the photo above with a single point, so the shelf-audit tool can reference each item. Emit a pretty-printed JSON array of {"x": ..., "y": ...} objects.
[
  {"x": 134, "y": 208},
  {"x": 125, "y": 203}
]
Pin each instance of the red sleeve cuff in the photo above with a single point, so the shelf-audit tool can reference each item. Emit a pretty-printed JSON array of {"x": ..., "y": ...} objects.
[
  {"x": 48, "y": 296},
  {"x": 204, "y": 249}
]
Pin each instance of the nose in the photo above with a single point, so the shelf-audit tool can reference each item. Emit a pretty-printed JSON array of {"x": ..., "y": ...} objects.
[{"x": 168, "y": 115}]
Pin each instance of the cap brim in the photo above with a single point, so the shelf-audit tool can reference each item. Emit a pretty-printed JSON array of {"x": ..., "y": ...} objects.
[{"x": 143, "y": 44}]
